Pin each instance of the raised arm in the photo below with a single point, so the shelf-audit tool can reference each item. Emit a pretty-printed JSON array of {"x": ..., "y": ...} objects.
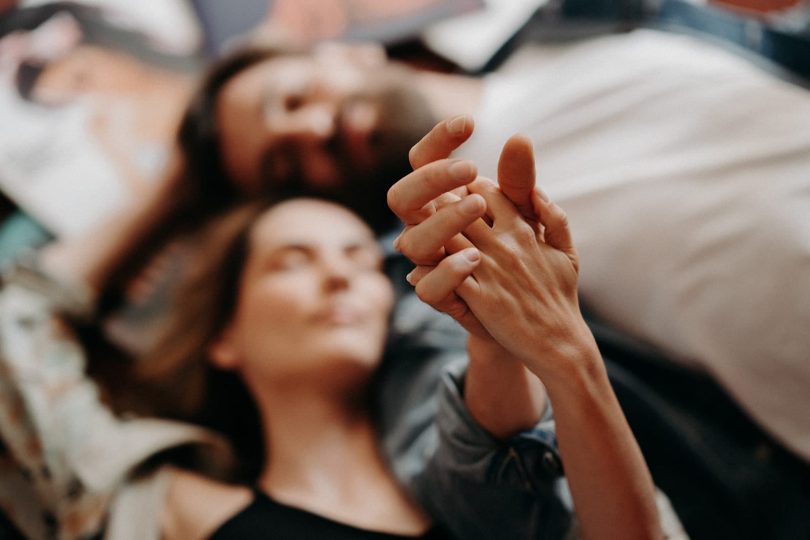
[
  {"x": 433, "y": 202},
  {"x": 520, "y": 292}
]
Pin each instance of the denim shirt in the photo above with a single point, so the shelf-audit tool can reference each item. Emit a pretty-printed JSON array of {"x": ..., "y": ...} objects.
[
  {"x": 66, "y": 458},
  {"x": 475, "y": 485}
]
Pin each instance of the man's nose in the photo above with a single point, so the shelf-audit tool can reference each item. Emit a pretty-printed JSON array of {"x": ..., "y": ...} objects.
[{"x": 315, "y": 122}]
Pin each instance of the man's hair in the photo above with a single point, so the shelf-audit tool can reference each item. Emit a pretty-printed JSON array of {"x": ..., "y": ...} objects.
[{"x": 198, "y": 136}]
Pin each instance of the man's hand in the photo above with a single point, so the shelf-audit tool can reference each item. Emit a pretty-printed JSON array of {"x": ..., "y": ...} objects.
[{"x": 435, "y": 207}]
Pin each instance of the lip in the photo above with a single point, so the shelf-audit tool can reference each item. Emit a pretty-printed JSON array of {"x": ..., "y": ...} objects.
[{"x": 342, "y": 314}]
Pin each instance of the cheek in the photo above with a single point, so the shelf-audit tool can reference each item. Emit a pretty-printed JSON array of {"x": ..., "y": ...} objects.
[
  {"x": 381, "y": 294},
  {"x": 273, "y": 307}
]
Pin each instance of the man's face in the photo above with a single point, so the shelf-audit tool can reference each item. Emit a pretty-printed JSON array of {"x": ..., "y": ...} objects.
[{"x": 325, "y": 123}]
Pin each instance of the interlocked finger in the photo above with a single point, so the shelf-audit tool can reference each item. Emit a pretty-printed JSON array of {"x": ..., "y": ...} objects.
[
  {"x": 436, "y": 287},
  {"x": 425, "y": 243},
  {"x": 412, "y": 198}
]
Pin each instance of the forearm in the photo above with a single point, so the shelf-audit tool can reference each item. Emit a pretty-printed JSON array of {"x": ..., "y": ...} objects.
[
  {"x": 502, "y": 395},
  {"x": 613, "y": 493}
]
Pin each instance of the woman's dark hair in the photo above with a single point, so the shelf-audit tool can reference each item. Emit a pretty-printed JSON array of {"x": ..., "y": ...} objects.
[{"x": 176, "y": 379}]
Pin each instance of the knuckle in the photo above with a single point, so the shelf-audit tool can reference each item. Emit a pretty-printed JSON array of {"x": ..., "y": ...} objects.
[
  {"x": 458, "y": 265},
  {"x": 446, "y": 199},
  {"x": 524, "y": 234},
  {"x": 510, "y": 252},
  {"x": 433, "y": 174},
  {"x": 455, "y": 309},
  {"x": 422, "y": 255}
]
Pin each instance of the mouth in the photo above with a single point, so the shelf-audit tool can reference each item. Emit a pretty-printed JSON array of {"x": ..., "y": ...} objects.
[{"x": 342, "y": 314}]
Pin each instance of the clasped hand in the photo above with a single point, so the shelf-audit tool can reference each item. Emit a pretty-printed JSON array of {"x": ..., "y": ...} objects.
[{"x": 497, "y": 257}]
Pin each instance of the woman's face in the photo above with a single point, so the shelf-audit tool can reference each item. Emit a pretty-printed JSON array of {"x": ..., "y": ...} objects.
[{"x": 313, "y": 301}]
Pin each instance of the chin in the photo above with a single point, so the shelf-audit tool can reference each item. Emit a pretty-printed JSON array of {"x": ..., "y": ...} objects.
[{"x": 349, "y": 373}]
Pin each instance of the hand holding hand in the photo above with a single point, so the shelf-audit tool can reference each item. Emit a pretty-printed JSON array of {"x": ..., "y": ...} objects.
[{"x": 436, "y": 207}]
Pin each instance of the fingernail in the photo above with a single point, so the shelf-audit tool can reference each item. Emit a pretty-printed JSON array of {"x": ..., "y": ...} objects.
[
  {"x": 472, "y": 255},
  {"x": 409, "y": 277},
  {"x": 461, "y": 170},
  {"x": 470, "y": 205},
  {"x": 456, "y": 125},
  {"x": 396, "y": 242}
]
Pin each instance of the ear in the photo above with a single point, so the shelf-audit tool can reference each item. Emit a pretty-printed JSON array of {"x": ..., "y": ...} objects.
[{"x": 223, "y": 352}]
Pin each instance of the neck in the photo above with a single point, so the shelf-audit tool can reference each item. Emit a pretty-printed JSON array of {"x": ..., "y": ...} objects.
[
  {"x": 317, "y": 442},
  {"x": 449, "y": 95}
]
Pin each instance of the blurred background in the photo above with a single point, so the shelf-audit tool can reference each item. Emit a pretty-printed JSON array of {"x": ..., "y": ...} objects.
[{"x": 91, "y": 93}]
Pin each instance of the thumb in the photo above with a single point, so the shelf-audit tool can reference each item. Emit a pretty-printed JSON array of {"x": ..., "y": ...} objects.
[{"x": 516, "y": 174}]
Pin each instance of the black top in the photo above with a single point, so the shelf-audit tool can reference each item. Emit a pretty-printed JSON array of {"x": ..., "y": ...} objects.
[{"x": 265, "y": 518}]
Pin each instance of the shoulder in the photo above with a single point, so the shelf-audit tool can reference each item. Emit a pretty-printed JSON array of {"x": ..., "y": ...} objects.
[{"x": 196, "y": 506}]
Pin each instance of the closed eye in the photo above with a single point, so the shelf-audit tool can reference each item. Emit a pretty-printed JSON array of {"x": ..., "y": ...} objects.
[
  {"x": 289, "y": 258},
  {"x": 365, "y": 256}
]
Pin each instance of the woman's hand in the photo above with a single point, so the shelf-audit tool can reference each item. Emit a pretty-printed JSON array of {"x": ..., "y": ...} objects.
[{"x": 524, "y": 290}]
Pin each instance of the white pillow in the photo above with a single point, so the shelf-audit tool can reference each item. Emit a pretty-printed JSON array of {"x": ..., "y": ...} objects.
[{"x": 685, "y": 172}]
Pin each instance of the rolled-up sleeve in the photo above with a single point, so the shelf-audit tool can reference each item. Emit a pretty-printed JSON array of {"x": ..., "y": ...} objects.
[
  {"x": 476, "y": 486},
  {"x": 482, "y": 487}
]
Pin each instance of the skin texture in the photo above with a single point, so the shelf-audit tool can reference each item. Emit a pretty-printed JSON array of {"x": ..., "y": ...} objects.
[
  {"x": 312, "y": 299},
  {"x": 510, "y": 278}
]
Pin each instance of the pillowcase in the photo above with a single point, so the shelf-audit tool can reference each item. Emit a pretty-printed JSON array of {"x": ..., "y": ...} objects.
[{"x": 685, "y": 173}]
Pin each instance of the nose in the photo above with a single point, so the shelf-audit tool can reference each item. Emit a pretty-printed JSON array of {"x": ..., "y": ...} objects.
[
  {"x": 337, "y": 274},
  {"x": 314, "y": 122}
]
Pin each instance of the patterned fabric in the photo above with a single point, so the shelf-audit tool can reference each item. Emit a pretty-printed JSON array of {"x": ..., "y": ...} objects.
[{"x": 64, "y": 454}]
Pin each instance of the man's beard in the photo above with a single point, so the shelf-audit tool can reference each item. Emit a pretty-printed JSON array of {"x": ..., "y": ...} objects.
[{"x": 405, "y": 118}]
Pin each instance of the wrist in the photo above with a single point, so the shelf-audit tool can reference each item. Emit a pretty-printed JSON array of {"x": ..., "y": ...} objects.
[
  {"x": 578, "y": 377},
  {"x": 571, "y": 352},
  {"x": 501, "y": 394},
  {"x": 487, "y": 350}
]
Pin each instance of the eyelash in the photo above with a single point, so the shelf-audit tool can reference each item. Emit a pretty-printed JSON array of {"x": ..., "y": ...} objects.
[{"x": 363, "y": 258}]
